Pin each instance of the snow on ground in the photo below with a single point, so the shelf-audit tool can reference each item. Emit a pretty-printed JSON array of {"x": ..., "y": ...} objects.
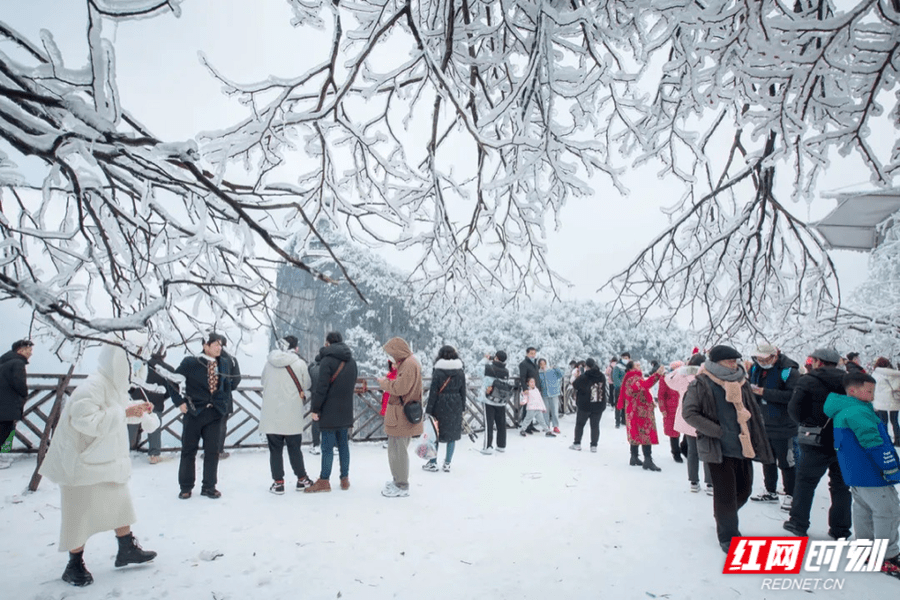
[{"x": 539, "y": 521}]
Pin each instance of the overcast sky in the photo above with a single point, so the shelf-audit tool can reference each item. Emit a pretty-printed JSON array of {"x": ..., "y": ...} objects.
[{"x": 162, "y": 83}]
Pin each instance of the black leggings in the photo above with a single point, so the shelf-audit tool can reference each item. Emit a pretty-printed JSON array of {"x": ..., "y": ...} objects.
[{"x": 582, "y": 417}]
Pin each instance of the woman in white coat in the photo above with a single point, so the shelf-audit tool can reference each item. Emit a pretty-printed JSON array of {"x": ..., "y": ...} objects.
[
  {"x": 285, "y": 382},
  {"x": 887, "y": 395},
  {"x": 88, "y": 459}
]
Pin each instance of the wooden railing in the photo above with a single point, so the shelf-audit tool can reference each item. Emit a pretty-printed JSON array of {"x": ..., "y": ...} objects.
[{"x": 243, "y": 424}]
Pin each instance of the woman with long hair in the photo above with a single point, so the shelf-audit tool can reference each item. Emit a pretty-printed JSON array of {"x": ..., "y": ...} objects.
[
  {"x": 446, "y": 402},
  {"x": 640, "y": 417}
]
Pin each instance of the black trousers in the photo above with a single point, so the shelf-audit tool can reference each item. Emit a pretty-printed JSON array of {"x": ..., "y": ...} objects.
[
  {"x": 732, "y": 481},
  {"x": 814, "y": 462},
  {"x": 583, "y": 416},
  {"x": 223, "y": 432},
  {"x": 495, "y": 415},
  {"x": 207, "y": 426},
  {"x": 783, "y": 451},
  {"x": 6, "y": 428},
  {"x": 316, "y": 434},
  {"x": 276, "y": 455}
]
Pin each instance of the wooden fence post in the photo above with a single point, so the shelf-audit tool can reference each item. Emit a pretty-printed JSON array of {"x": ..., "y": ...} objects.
[{"x": 50, "y": 427}]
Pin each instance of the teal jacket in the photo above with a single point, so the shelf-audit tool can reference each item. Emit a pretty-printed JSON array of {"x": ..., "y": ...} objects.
[{"x": 865, "y": 452}]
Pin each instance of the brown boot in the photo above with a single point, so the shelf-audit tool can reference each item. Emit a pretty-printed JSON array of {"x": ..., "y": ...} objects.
[
  {"x": 321, "y": 485},
  {"x": 345, "y": 483}
]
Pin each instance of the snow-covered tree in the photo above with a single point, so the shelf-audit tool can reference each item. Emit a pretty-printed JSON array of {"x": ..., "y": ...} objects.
[{"x": 456, "y": 129}]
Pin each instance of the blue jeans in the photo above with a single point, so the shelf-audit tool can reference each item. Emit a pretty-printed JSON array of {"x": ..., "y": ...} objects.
[
  {"x": 341, "y": 437},
  {"x": 154, "y": 440},
  {"x": 448, "y": 456}
]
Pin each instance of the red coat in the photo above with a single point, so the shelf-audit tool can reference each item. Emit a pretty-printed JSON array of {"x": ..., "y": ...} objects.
[
  {"x": 392, "y": 375},
  {"x": 640, "y": 415},
  {"x": 668, "y": 406}
]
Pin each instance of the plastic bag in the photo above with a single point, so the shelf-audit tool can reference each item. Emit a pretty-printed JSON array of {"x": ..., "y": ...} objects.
[{"x": 427, "y": 447}]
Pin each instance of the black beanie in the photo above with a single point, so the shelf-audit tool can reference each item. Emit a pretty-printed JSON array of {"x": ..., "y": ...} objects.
[{"x": 717, "y": 353}]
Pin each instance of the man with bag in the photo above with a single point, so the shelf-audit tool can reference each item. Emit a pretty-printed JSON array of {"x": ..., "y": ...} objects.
[
  {"x": 495, "y": 393},
  {"x": 405, "y": 391},
  {"x": 332, "y": 407},
  {"x": 817, "y": 454}
]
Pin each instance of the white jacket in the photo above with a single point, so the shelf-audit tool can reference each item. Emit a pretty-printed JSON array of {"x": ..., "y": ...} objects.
[
  {"x": 282, "y": 408},
  {"x": 887, "y": 389},
  {"x": 90, "y": 444}
]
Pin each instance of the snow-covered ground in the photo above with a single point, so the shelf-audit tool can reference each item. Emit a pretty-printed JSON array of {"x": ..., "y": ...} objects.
[{"x": 539, "y": 521}]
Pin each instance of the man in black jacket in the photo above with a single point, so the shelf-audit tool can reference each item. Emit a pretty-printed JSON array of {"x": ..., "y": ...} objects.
[
  {"x": 528, "y": 369},
  {"x": 203, "y": 402},
  {"x": 807, "y": 408},
  {"x": 13, "y": 390},
  {"x": 332, "y": 407},
  {"x": 773, "y": 377}
]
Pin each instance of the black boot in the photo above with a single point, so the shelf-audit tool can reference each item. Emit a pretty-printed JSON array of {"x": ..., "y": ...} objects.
[
  {"x": 76, "y": 573},
  {"x": 130, "y": 552},
  {"x": 648, "y": 460},
  {"x": 676, "y": 450},
  {"x": 635, "y": 461}
]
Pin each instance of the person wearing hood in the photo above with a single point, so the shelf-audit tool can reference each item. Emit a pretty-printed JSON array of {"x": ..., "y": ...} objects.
[
  {"x": 870, "y": 465},
  {"x": 590, "y": 399},
  {"x": 640, "y": 420},
  {"x": 773, "y": 377},
  {"x": 13, "y": 391},
  {"x": 495, "y": 399},
  {"x": 89, "y": 461},
  {"x": 887, "y": 395},
  {"x": 332, "y": 408},
  {"x": 285, "y": 383},
  {"x": 406, "y": 388},
  {"x": 731, "y": 434},
  {"x": 817, "y": 454},
  {"x": 203, "y": 402},
  {"x": 679, "y": 380},
  {"x": 447, "y": 402},
  {"x": 667, "y": 399}
]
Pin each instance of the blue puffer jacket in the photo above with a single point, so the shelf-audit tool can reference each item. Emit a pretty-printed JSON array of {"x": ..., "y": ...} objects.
[{"x": 861, "y": 440}]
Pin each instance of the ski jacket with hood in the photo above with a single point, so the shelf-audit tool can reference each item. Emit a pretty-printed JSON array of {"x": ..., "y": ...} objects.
[
  {"x": 585, "y": 395},
  {"x": 778, "y": 383},
  {"x": 333, "y": 400},
  {"x": 861, "y": 440},
  {"x": 447, "y": 406},
  {"x": 90, "y": 444},
  {"x": 807, "y": 405},
  {"x": 887, "y": 389},
  {"x": 407, "y": 385},
  {"x": 282, "y": 407}
]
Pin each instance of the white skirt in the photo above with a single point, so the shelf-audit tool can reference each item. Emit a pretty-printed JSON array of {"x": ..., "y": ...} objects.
[{"x": 90, "y": 509}]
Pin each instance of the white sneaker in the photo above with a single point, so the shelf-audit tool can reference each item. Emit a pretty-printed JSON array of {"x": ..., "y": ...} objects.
[
  {"x": 446, "y": 467},
  {"x": 575, "y": 447},
  {"x": 487, "y": 450},
  {"x": 787, "y": 503},
  {"x": 593, "y": 448},
  {"x": 392, "y": 491},
  {"x": 501, "y": 449},
  {"x": 384, "y": 444},
  {"x": 695, "y": 487},
  {"x": 709, "y": 491},
  {"x": 315, "y": 450}
]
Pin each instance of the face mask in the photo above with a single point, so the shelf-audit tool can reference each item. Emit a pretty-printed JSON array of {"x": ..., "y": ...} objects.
[{"x": 766, "y": 367}]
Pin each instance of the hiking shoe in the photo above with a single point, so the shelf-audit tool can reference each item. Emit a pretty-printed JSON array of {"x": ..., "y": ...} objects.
[
  {"x": 154, "y": 460},
  {"x": 446, "y": 467},
  {"x": 392, "y": 491},
  {"x": 430, "y": 466},
  {"x": 345, "y": 483},
  {"x": 131, "y": 553},
  {"x": 303, "y": 483},
  {"x": 793, "y": 528},
  {"x": 76, "y": 573},
  {"x": 576, "y": 447},
  {"x": 321, "y": 485},
  {"x": 184, "y": 494},
  {"x": 695, "y": 487},
  {"x": 787, "y": 503},
  {"x": 211, "y": 493},
  {"x": 556, "y": 431},
  {"x": 765, "y": 497},
  {"x": 277, "y": 486},
  {"x": 550, "y": 434},
  {"x": 709, "y": 490},
  {"x": 522, "y": 432},
  {"x": 487, "y": 450},
  {"x": 593, "y": 448},
  {"x": 315, "y": 450},
  {"x": 677, "y": 458}
]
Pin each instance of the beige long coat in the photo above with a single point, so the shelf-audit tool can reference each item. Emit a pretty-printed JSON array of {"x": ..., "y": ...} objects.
[{"x": 407, "y": 385}]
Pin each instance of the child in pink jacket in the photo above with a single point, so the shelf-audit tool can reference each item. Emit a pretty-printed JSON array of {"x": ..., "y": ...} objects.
[{"x": 534, "y": 409}]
